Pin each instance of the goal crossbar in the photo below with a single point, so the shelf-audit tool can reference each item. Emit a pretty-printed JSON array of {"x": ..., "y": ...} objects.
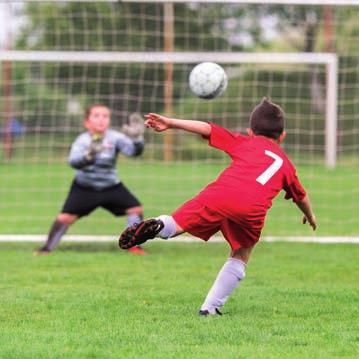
[{"x": 329, "y": 60}]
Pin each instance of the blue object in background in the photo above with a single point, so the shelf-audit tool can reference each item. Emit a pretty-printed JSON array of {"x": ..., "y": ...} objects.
[{"x": 16, "y": 128}]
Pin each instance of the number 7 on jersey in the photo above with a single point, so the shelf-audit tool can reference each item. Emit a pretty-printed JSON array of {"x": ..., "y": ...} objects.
[{"x": 271, "y": 170}]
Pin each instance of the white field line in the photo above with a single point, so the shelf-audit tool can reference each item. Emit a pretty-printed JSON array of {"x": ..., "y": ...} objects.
[{"x": 183, "y": 239}]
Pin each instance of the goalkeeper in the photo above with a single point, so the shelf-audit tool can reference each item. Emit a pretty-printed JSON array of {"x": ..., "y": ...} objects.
[{"x": 93, "y": 155}]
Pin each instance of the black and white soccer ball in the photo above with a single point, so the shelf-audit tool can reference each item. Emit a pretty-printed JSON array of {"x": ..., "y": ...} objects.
[{"x": 208, "y": 80}]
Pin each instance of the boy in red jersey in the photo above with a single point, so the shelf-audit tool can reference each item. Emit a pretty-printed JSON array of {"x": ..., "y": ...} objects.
[{"x": 237, "y": 202}]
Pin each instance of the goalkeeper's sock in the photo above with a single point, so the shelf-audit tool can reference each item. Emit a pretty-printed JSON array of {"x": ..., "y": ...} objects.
[
  {"x": 232, "y": 272},
  {"x": 169, "y": 229},
  {"x": 132, "y": 219},
  {"x": 57, "y": 230}
]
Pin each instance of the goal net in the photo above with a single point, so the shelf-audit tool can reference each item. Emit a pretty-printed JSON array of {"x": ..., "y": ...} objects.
[{"x": 135, "y": 57}]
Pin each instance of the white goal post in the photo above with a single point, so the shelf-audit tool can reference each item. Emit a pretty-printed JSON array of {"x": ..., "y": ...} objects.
[
  {"x": 181, "y": 239},
  {"x": 328, "y": 59}
]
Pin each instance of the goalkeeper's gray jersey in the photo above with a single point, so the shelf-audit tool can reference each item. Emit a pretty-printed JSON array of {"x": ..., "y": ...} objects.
[{"x": 99, "y": 173}]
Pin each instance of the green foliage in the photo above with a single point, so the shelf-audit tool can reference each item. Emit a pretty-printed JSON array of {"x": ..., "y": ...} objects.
[
  {"x": 112, "y": 27},
  {"x": 200, "y": 27},
  {"x": 121, "y": 27},
  {"x": 36, "y": 102}
]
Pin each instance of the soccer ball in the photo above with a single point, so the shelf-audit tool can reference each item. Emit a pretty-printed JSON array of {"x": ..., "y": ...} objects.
[{"x": 208, "y": 80}]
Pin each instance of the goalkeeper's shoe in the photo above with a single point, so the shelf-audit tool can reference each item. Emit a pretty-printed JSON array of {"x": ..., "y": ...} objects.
[
  {"x": 137, "y": 250},
  {"x": 206, "y": 313},
  {"x": 139, "y": 233}
]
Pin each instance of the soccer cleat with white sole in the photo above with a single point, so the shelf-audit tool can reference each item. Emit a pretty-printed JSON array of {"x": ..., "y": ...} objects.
[{"x": 139, "y": 233}]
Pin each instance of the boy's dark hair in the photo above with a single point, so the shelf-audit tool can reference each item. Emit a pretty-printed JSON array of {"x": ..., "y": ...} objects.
[
  {"x": 89, "y": 109},
  {"x": 267, "y": 119}
]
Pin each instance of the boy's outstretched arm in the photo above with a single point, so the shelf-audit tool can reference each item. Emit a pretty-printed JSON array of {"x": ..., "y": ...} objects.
[
  {"x": 161, "y": 123},
  {"x": 305, "y": 207}
]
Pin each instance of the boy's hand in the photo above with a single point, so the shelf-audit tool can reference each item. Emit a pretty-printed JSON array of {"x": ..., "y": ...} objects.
[
  {"x": 135, "y": 128},
  {"x": 157, "y": 122},
  {"x": 312, "y": 221}
]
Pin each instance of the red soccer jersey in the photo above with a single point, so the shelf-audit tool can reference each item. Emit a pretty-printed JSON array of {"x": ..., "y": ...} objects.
[{"x": 258, "y": 172}]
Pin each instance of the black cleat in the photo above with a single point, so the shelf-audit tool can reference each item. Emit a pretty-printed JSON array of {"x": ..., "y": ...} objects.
[
  {"x": 139, "y": 233},
  {"x": 205, "y": 313}
]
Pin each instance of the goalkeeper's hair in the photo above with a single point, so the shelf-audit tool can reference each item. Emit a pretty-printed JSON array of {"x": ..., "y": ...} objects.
[
  {"x": 91, "y": 107},
  {"x": 267, "y": 119}
]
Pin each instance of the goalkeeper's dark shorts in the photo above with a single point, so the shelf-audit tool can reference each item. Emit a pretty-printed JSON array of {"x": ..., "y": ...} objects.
[{"x": 81, "y": 200}]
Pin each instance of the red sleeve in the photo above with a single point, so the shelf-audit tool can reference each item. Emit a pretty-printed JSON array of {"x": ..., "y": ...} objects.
[
  {"x": 294, "y": 189},
  {"x": 224, "y": 139}
]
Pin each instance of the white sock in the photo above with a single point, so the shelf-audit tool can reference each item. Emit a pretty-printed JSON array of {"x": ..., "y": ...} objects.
[
  {"x": 132, "y": 219},
  {"x": 169, "y": 230},
  {"x": 232, "y": 272}
]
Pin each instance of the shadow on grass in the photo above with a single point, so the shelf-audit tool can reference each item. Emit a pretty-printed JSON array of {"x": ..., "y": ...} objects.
[
  {"x": 63, "y": 247},
  {"x": 157, "y": 248},
  {"x": 89, "y": 247}
]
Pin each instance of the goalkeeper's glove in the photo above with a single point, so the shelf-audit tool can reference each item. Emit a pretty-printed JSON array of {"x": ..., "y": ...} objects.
[
  {"x": 135, "y": 127},
  {"x": 94, "y": 148}
]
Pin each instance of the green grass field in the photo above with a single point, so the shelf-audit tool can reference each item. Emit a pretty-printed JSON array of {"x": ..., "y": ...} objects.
[
  {"x": 32, "y": 194},
  {"x": 94, "y": 301}
]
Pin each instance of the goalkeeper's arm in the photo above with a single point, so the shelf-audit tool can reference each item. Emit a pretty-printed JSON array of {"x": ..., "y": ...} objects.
[
  {"x": 81, "y": 154},
  {"x": 78, "y": 158},
  {"x": 130, "y": 147},
  {"x": 134, "y": 132},
  {"x": 139, "y": 146}
]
